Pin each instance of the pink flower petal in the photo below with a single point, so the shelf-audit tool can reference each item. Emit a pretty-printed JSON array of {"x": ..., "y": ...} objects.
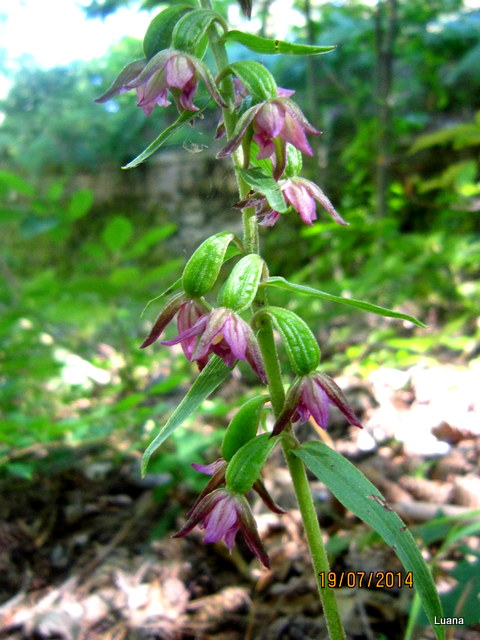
[
  {"x": 316, "y": 400},
  {"x": 294, "y": 133},
  {"x": 302, "y": 201}
]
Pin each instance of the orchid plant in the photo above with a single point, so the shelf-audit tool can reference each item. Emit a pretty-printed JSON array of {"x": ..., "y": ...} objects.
[{"x": 266, "y": 135}]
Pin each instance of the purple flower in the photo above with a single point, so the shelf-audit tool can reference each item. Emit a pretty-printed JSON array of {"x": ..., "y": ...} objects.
[
  {"x": 240, "y": 93},
  {"x": 222, "y": 514},
  {"x": 188, "y": 313},
  {"x": 224, "y": 333},
  {"x": 301, "y": 194},
  {"x": 167, "y": 70},
  {"x": 275, "y": 119},
  {"x": 311, "y": 396}
]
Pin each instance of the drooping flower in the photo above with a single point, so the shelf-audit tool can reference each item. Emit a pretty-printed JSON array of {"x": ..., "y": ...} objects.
[
  {"x": 301, "y": 194},
  {"x": 275, "y": 119},
  {"x": 188, "y": 312},
  {"x": 168, "y": 70},
  {"x": 222, "y": 514},
  {"x": 240, "y": 93},
  {"x": 224, "y": 333},
  {"x": 312, "y": 395}
]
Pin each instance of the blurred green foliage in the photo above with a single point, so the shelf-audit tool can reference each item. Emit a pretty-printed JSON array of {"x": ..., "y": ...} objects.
[
  {"x": 52, "y": 124},
  {"x": 76, "y": 276},
  {"x": 73, "y": 289}
]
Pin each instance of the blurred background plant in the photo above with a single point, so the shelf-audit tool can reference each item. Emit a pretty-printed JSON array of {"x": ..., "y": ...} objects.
[{"x": 399, "y": 104}]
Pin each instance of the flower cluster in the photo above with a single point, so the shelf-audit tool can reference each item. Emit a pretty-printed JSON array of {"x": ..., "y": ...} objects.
[{"x": 265, "y": 122}]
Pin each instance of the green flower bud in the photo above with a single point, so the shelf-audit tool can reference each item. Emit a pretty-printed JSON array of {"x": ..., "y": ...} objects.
[
  {"x": 159, "y": 33},
  {"x": 240, "y": 289},
  {"x": 300, "y": 343},
  {"x": 201, "y": 271},
  {"x": 244, "y": 468},
  {"x": 294, "y": 161},
  {"x": 259, "y": 81},
  {"x": 243, "y": 426},
  {"x": 190, "y": 30}
]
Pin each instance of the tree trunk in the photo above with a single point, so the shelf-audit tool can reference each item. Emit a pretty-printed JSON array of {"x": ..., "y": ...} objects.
[{"x": 385, "y": 31}]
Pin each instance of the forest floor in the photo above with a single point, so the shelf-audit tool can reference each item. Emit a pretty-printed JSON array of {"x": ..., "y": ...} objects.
[{"x": 82, "y": 558}]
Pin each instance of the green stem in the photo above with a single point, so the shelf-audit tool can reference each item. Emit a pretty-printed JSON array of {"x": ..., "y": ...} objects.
[
  {"x": 250, "y": 226},
  {"x": 266, "y": 342},
  {"x": 268, "y": 348},
  {"x": 318, "y": 553}
]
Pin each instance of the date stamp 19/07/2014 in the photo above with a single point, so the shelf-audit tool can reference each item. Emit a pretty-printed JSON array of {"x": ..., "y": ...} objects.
[
  {"x": 366, "y": 579},
  {"x": 376, "y": 580}
]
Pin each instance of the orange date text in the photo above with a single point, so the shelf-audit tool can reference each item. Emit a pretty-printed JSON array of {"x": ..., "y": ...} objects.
[{"x": 366, "y": 579}]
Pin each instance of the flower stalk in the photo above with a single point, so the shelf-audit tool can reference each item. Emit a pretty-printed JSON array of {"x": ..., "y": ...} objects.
[
  {"x": 266, "y": 135},
  {"x": 313, "y": 533},
  {"x": 266, "y": 341}
]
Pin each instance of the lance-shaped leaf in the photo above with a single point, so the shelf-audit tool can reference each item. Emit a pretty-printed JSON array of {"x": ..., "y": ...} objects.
[
  {"x": 281, "y": 283},
  {"x": 263, "y": 182},
  {"x": 159, "y": 32},
  {"x": 259, "y": 81},
  {"x": 208, "y": 380},
  {"x": 172, "y": 287},
  {"x": 244, "y": 468},
  {"x": 167, "y": 133},
  {"x": 189, "y": 30},
  {"x": 268, "y": 46},
  {"x": 363, "y": 499},
  {"x": 243, "y": 426},
  {"x": 241, "y": 287}
]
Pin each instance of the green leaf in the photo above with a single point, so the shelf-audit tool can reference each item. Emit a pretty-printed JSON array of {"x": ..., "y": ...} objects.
[
  {"x": 175, "y": 285},
  {"x": 11, "y": 181},
  {"x": 181, "y": 121},
  {"x": 243, "y": 426},
  {"x": 149, "y": 238},
  {"x": 159, "y": 32},
  {"x": 246, "y": 464},
  {"x": 259, "y": 81},
  {"x": 361, "y": 497},
  {"x": 117, "y": 233},
  {"x": 261, "y": 181},
  {"x": 190, "y": 30},
  {"x": 460, "y": 136},
  {"x": 241, "y": 287},
  {"x": 80, "y": 204},
  {"x": 265, "y": 45},
  {"x": 209, "y": 379},
  {"x": 10, "y": 215},
  {"x": 281, "y": 283}
]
